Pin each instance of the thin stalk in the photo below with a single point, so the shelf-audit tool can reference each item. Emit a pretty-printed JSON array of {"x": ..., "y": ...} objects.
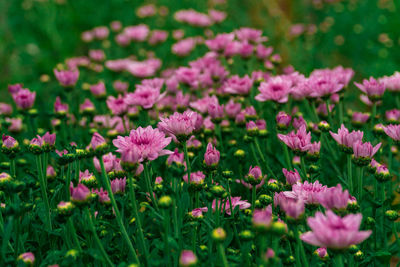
[
  {"x": 107, "y": 184},
  {"x": 329, "y": 112},
  {"x": 97, "y": 239},
  {"x": 71, "y": 230},
  {"x": 132, "y": 197},
  {"x": 262, "y": 157},
  {"x": 221, "y": 252},
  {"x": 187, "y": 161},
  {"x": 12, "y": 167},
  {"x": 68, "y": 181},
  {"x": 339, "y": 260},
  {"x": 373, "y": 114},
  {"x": 253, "y": 197},
  {"x": 341, "y": 112},
  {"x": 288, "y": 162},
  {"x": 382, "y": 217},
  {"x": 166, "y": 245},
  {"x": 148, "y": 184},
  {"x": 44, "y": 193},
  {"x": 360, "y": 183},
  {"x": 300, "y": 249},
  {"x": 303, "y": 167},
  {"x": 350, "y": 174}
]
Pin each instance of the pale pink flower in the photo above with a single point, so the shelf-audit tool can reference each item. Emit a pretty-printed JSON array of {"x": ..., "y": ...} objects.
[
  {"x": 334, "y": 232},
  {"x": 178, "y": 125},
  {"x": 67, "y": 78},
  {"x": 24, "y": 99},
  {"x": 276, "y": 89}
]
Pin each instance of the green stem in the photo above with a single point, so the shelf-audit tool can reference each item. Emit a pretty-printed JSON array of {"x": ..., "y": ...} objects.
[
  {"x": 44, "y": 193},
  {"x": 107, "y": 184},
  {"x": 12, "y": 168},
  {"x": 97, "y": 239},
  {"x": 360, "y": 183},
  {"x": 262, "y": 157},
  {"x": 166, "y": 244},
  {"x": 68, "y": 181},
  {"x": 327, "y": 101},
  {"x": 138, "y": 219},
  {"x": 373, "y": 114},
  {"x": 149, "y": 184},
  {"x": 350, "y": 174},
  {"x": 339, "y": 260},
  {"x": 300, "y": 249},
  {"x": 288, "y": 162},
  {"x": 222, "y": 255},
  {"x": 253, "y": 197},
  {"x": 71, "y": 230},
  {"x": 341, "y": 112},
  {"x": 187, "y": 160},
  {"x": 303, "y": 167}
]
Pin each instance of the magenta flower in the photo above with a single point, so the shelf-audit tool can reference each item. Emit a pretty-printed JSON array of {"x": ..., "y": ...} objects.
[
  {"x": 59, "y": 107},
  {"x": 24, "y": 99},
  {"x": 147, "y": 143},
  {"x": 308, "y": 192},
  {"x": 232, "y": 108},
  {"x": 14, "y": 88},
  {"x": 276, "y": 89},
  {"x": 323, "y": 86},
  {"x": 87, "y": 106},
  {"x": 346, "y": 139},
  {"x": 195, "y": 177},
  {"x": 236, "y": 201},
  {"x": 334, "y": 232},
  {"x": 365, "y": 150},
  {"x": 216, "y": 111},
  {"x": 238, "y": 85},
  {"x": 145, "y": 96},
  {"x": 392, "y": 83},
  {"x": 292, "y": 177},
  {"x": 184, "y": 47},
  {"x": 293, "y": 209},
  {"x": 5, "y": 109},
  {"x": 177, "y": 158},
  {"x": 393, "y": 131},
  {"x": 212, "y": 155},
  {"x": 187, "y": 259},
  {"x": 283, "y": 120},
  {"x": 198, "y": 212},
  {"x": 372, "y": 88},
  {"x": 67, "y": 78},
  {"x": 262, "y": 218},
  {"x": 118, "y": 106},
  {"x": 98, "y": 90},
  {"x": 334, "y": 198},
  {"x": 79, "y": 194},
  {"x": 86, "y": 176},
  {"x": 97, "y": 142},
  {"x": 28, "y": 258},
  {"x": 109, "y": 161},
  {"x": 299, "y": 141},
  {"x": 359, "y": 118},
  {"x": 103, "y": 195},
  {"x": 118, "y": 185},
  {"x": 9, "y": 142},
  {"x": 179, "y": 125}
]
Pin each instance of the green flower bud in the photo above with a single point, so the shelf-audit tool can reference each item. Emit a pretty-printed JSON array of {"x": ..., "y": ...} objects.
[
  {"x": 218, "y": 234},
  {"x": 165, "y": 202}
]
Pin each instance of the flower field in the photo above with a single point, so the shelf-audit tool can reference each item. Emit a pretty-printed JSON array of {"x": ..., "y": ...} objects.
[{"x": 200, "y": 133}]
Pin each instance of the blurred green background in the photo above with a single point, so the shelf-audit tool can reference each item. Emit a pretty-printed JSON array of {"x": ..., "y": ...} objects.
[{"x": 35, "y": 35}]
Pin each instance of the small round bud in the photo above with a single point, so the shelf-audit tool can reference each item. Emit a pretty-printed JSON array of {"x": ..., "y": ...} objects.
[
  {"x": 227, "y": 173},
  {"x": 27, "y": 258},
  {"x": 353, "y": 249},
  {"x": 72, "y": 253},
  {"x": 370, "y": 221},
  {"x": 165, "y": 202},
  {"x": 217, "y": 191},
  {"x": 392, "y": 215},
  {"x": 279, "y": 228},
  {"x": 324, "y": 126},
  {"x": 218, "y": 234},
  {"x": 359, "y": 255},
  {"x": 187, "y": 259},
  {"x": 246, "y": 235},
  {"x": 265, "y": 199},
  {"x": 239, "y": 153}
]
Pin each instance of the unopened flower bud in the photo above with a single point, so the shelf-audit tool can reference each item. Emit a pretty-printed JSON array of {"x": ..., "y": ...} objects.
[
  {"x": 27, "y": 258},
  {"x": 239, "y": 153},
  {"x": 359, "y": 255},
  {"x": 324, "y": 126},
  {"x": 218, "y": 234},
  {"x": 246, "y": 235},
  {"x": 187, "y": 259},
  {"x": 165, "y": 202},
  {"x": 392, "y": 215}
]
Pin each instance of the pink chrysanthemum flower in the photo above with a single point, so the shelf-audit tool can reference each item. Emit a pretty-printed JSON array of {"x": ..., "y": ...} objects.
[
  {"x": 393, "y": 131},
  {"x": 147, "y": 143},
  {"x": 298, "y": 141},
  {"x": 372, "y": 88},
  {"x": 179, "y": 125},
  {"x": 24, "y": 99},
  {"x": 334, "y": 232},
  {"x": 67, "y": 78},
  {"x": 276, "y": 89},
  {"x": 346, "y": 139}
]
